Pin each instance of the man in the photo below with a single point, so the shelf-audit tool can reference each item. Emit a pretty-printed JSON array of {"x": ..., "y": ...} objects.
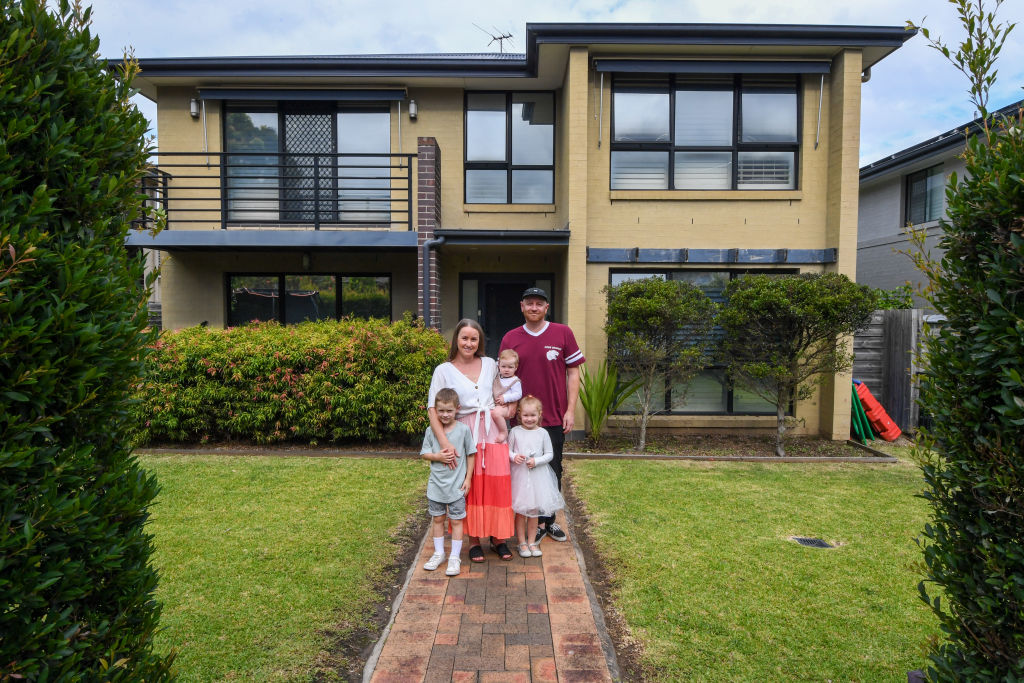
[{"x": 549, "y": 368}]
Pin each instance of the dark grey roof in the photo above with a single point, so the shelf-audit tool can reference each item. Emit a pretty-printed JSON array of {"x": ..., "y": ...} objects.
[
  {"x": 883, "y": 39},
  {"x": 946, "y": 142}
]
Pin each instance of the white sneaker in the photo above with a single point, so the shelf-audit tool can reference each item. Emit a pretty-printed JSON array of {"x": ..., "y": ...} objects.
[
  {"x": 434, "y": 562},
  {"x": 454, "y": 566}
]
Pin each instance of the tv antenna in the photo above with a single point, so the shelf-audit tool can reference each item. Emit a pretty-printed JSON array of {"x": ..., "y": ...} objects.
[{"x": 497, "y": 36}]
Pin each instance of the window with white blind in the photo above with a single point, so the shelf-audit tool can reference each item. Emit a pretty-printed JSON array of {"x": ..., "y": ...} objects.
[
  {"x": 926, "y": 191},
  {"x": 704, "y": 132}
]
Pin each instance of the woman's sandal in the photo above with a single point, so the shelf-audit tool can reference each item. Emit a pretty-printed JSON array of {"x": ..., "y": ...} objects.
[
  {"x": 476, "y": 554},
  {"x": 501, "y": 550},
  {"x": 524, "y": 550}
]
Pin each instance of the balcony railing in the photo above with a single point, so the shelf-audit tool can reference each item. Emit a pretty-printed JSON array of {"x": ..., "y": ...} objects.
[{"x": 295, "y": 190}]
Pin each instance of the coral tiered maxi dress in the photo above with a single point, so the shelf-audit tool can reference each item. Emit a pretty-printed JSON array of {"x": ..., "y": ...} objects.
[{"x": 489, "y": 503}]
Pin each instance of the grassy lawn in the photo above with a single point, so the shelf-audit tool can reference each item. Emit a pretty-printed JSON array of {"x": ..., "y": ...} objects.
[
  {"x": 264, "y": 561},
  {"x": 708, "y": 582}
]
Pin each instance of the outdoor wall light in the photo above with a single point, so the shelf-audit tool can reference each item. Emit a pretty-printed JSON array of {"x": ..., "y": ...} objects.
[
  {"x": 413, "y": 109},
  {"x": 193, "y": 108}
]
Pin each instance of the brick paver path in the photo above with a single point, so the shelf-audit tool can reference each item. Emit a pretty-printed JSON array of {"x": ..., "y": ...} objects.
[{"x": 525, "y": 620}]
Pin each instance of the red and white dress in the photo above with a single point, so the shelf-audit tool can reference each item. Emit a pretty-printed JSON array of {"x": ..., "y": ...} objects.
[{"x": 489, "y": 503}]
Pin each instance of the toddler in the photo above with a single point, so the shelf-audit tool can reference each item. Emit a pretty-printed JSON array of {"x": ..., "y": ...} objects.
[
  {"x": 450, "y": 473},
  {"x": 534, "y": 487},
  {"x": 507, "y": 391}
]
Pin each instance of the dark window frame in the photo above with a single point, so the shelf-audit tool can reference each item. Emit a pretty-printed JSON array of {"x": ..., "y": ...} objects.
[
  {"x": 283, "y": 300},
  {"x": 730, "y": 393},
  {"x": 670, "y": 84},
  {"x": 283, "y": 108},
  {"x": 908, "y": 180},
  {"x": 508, "y": 166}
]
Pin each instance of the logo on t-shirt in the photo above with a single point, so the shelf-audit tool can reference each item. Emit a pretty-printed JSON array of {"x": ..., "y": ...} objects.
[{"x": 552, "y": 354}]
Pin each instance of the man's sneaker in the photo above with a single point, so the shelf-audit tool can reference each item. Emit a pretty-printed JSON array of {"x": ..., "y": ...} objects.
[
  {"x": 454, "y": 566},
  {"x": 541, "y": 532},
  {"x": 556, "y": 533},
  {"x": 434, "y": 562}
]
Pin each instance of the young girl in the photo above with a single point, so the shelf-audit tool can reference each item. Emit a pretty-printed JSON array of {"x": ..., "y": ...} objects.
[
  {"x": 534, "y": 487},
  {"x": 507, "y": 391}
]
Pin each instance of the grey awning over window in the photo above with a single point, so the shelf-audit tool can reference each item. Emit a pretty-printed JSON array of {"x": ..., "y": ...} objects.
[
  {"x": 302, "y": 95},
  {"x": 693, "y": 66}
]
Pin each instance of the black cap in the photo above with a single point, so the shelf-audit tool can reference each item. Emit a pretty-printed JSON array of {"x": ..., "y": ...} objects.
[{"x": 536, "y": 291}]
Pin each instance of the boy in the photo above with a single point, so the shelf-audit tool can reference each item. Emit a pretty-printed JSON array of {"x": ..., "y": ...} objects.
[{"x": 450, "y": 475}]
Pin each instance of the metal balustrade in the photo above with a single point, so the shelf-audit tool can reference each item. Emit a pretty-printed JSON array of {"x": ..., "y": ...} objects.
[{"x": 286, "y": 190}]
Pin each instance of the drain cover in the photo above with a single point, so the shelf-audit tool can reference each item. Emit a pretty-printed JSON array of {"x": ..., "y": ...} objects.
[{"x": 812, "y": 542}]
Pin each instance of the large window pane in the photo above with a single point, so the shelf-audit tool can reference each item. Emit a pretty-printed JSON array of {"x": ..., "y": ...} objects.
[
  {"x": 703, "y": 118},
  {"x": 707, "y": 393},
  {"x": 532, "y": 187},
  {"x": 925, "y": 194},
  {"x": 309, "y": 297},
  {"x": 533, "y": 129},
  {"x": 364, "y": 182},
  {"x": 486, "y": 187},
  {"x": 485, "y": 127},
  {"x": 253, "y": 297},
  {"x": 633, "y": 405},
  {"x": 639, "y": 170},
  {"x": 641, "y": 117},
  {"x": 703, "y": 171},
  {"x": 366, "y": 297},
  {"x": 768, "y": 117},
  {"x": 745, "y": 401},
  {"x": 252, "y": 173},
  {"x": 633, "y": 275},
  {"x": 766, "y": 171}
]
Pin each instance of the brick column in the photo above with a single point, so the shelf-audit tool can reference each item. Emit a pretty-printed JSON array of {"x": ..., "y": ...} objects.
[{"x": 428, "y": 218}]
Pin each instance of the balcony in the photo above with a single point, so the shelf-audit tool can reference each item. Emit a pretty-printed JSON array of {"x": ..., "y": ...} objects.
[{"x": 200, "y": 191}]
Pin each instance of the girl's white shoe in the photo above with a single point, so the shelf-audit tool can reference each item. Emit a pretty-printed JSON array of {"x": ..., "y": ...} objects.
[
  {"x": 454, "y": 566},
  {"x": 524, "y": 550},
  {"x": 535, "y": 550}
]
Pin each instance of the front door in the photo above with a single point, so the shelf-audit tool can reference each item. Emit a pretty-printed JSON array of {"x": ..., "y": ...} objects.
[{"x": 493, "y": 301}]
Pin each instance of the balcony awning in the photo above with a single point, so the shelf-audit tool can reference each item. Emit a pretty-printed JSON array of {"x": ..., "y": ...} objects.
[
  {"x": 272, "y": 240},
  {"x": 501, "y": 238},
  {"x": 279, "y": 94},
  {"x": 700, "y": 66}
]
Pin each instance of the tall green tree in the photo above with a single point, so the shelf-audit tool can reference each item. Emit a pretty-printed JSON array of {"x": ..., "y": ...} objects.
[
  {"x": 76, "y": 583},
  {"x": 658, "y": 333},
  {"x": 972, "y": 455},
  {"x": 782, "y": 332}
]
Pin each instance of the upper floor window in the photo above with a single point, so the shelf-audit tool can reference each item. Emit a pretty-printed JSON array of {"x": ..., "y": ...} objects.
[
  {"x": 510, "y": 148},
  {"x": 300, "y": 162},
  {"x": 925, "y": 193},
  {"x": 697, "y": 132}
]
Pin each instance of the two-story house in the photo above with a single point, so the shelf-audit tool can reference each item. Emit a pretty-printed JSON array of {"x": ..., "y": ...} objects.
[
  {"x": 444, "y": 184},
  {"x": 908, "y": 188}
]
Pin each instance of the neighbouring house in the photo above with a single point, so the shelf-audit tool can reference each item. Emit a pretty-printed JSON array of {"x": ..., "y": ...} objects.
[
  {"x": 908, "y": 188},
  {"x": 445, "y": 184}
]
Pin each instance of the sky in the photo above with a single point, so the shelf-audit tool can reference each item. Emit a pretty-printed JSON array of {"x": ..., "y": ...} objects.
[{"x": 914, "y": 94}]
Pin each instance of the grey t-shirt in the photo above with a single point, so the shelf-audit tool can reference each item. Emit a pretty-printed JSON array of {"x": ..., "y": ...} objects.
[{"x": 444, "y": 483}]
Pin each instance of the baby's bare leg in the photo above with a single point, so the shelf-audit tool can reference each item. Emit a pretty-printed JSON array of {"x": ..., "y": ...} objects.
[{"x": 498, "y": 415}]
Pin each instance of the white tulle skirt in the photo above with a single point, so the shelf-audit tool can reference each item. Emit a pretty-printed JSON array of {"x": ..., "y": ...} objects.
[{"x": 535, "y": 492}]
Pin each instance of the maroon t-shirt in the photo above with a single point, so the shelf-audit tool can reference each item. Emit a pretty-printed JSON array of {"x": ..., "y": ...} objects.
[{"x": 543, "y": 359}]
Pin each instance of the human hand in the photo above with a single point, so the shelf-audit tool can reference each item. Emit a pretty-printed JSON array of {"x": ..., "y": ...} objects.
[
  {"x": 531, "y": 463},
  {"x": 520, "y": 458},
  {"x": 449, "y": 457},
  {"x": 465, "y": 486},
  {"x": 568, "y": 421},
  {"x": 499, "y": 401}
]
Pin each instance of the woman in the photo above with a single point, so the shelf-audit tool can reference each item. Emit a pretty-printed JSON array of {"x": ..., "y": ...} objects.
[{"x": 489, "y": 501}]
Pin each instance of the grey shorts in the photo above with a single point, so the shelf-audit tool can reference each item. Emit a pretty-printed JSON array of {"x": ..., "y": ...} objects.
[{"x": 455, "y": 509}]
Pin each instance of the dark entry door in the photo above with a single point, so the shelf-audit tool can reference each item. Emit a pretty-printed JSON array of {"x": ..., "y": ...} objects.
[{"x": 501, "y": 310}]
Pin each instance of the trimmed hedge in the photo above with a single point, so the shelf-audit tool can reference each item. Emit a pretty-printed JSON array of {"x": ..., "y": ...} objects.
[
  {"x": 318, "y": 381},
  {"x": 76, "y": 584}
]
